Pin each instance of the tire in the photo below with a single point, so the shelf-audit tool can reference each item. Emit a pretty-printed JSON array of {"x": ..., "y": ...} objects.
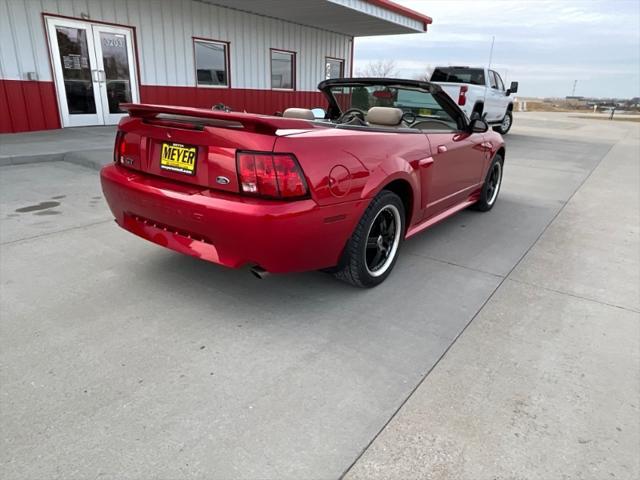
[
  {"x": 490, "y": 190},
  {"x": 372, "y": 250},
  {"x": 506, "y": 123}
]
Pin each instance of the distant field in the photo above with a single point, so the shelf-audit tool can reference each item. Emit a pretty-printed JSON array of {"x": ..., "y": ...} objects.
[
  {"x": 617, "y": 118},
  {"x": 536, "y": 105},
  {"x": 549, "y": 107}
]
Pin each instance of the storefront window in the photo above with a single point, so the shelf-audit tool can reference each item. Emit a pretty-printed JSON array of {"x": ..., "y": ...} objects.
[
  {"x": 283, "y": 66},
  {"x": 211, "y": 63},
  {"x": 333, "y": 68}
]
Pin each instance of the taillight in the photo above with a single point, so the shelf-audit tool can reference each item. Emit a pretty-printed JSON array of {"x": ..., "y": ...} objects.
[
  {"x": 118, "y": 147},
  {"x": 271, "y": 175},
  {"x": 462, "y": 98},
  {"x": 127, "y": 148}
]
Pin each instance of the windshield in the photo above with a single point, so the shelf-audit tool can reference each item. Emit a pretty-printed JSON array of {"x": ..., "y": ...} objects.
[
  {"x": 419, "y": 102},
  {"x": 474, "y": 76}
]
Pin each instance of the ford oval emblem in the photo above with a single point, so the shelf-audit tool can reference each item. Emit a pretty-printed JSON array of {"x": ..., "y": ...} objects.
[{"x": 222, "y": 180}]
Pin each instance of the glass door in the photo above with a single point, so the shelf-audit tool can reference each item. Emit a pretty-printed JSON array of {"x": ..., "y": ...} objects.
[
  {"x": 94, "y": 69},
  {"x": 116, "y": 70},
  {"x": 75, "y": 71}
]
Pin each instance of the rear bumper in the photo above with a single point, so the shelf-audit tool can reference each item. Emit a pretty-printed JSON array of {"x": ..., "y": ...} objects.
[{"x": 229, "y": 229}]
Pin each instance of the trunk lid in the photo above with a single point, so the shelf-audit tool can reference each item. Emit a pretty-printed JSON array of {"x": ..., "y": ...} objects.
[{"x": 195, "y": 146}]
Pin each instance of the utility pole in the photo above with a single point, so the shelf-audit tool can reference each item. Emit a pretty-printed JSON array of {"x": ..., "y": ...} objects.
[{"x": 573, "y": 92}]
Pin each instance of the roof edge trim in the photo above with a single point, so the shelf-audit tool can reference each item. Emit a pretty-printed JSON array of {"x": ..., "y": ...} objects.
[{"x": 407, "y": 12}]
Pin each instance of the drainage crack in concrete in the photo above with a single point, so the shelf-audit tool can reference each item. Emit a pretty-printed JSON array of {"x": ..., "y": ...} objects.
[
  {"x": 537, "y": 167},
  {"x": 48, "y": 234},
  {"x": 491, "y": 295},
  {"x": 574, "y": 295},
  {"x": 453, "y": 264}
]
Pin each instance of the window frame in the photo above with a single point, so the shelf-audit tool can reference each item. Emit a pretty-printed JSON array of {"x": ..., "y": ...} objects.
[
  {"x": 499, "y": 81},
  {"x": 342, "y": 62},
  {"x": 294, "y": 63},
  {"x": 227, "y": 46},
  {"x": 449, "y": 72},
  {"x": 492, "y": 80}
]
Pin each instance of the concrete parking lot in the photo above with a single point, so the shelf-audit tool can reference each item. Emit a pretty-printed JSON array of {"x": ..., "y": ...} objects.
[{"x": 504, "y": 345}]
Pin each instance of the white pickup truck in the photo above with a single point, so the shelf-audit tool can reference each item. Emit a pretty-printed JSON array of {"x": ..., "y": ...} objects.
[{"x": 479, "y": 90}]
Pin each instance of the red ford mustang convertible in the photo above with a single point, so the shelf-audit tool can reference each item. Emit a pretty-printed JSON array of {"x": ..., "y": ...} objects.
[{"x": 337, "y": 190}]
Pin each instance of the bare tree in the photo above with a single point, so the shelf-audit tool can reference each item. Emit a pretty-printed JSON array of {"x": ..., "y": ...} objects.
[
  {"x": 425, "y": 76},
  {"x": 378, "y": 68}
]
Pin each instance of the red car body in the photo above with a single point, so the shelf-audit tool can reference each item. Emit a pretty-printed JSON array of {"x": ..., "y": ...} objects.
[{"x": 435, "y": 174}]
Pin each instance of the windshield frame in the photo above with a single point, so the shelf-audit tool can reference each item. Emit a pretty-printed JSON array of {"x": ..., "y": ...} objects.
[{"x": 447, "y": 104}]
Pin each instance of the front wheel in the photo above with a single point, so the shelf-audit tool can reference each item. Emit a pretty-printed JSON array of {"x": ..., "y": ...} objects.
[
  {"x": 373, "y": 248},
  {"x": 491, "y": 186},
  {"x": 505, "y": 126}
]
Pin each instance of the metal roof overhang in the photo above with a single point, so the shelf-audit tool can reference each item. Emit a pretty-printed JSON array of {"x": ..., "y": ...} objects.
[{"x": 357, "y": 18}]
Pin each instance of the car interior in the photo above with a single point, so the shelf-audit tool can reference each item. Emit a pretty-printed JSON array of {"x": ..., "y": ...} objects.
[
  {"x": 382, "y": 107},
  {"x": 377, "y": 117}
]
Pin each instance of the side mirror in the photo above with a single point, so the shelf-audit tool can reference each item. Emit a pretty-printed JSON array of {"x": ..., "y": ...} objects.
[
  {"x": 319, "y": 113},
  {"x": 513, "y": 88},
  {"x": 478, "y": 125}
]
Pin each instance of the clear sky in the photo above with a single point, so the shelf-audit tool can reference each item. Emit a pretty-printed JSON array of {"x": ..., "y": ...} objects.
[{"x": 545, "y": 45}]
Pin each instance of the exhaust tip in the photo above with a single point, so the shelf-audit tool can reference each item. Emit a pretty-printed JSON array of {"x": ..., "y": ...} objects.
[{"x": 259, "y": 272}]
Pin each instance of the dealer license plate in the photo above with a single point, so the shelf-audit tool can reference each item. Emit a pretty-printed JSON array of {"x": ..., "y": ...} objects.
[{"x": 177, "y": 157}]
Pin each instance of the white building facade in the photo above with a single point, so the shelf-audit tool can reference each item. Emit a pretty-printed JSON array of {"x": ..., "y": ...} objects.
[{"x": 66, "y": 63}]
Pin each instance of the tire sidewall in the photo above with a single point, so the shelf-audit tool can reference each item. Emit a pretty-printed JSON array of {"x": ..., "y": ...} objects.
[
  {"x": 499, "y": 128},
  {"x": 358, "y": 245},
  {"x": 483, "y": 204}
]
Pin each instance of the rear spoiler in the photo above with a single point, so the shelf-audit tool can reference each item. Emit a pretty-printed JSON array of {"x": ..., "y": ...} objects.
[{"x": 249, "y": 121}]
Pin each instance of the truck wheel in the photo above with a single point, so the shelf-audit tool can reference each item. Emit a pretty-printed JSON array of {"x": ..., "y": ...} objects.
[
  {"x": 505, "y": 126},
  {"x": 491, "y": 186},
  {"x": 373, "y": 248}
]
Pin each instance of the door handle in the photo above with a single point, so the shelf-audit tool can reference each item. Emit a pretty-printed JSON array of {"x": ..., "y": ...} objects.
[
  {"x": 442, "y": 148},
  {"x": 95, "y": 77},
  {"x": 102, "y": 76}
]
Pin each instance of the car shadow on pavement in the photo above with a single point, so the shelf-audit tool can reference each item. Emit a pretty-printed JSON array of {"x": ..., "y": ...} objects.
[{"x": 490, "y": 243}]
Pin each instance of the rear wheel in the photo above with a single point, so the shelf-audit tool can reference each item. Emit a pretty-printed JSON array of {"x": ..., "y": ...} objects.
[
  {"x": 491, "y": 187},
  {"x": 505, "y": 126},
  {"x": 373, "y": 248}
]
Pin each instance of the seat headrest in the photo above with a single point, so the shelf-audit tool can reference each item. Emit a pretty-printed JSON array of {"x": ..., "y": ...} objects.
[
  {"x": 302, "y": 113},
  {"x": 384, "y": 116}
]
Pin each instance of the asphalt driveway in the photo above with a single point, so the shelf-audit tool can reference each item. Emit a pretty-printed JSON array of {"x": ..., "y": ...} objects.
[{"x": 124, "y": 360}]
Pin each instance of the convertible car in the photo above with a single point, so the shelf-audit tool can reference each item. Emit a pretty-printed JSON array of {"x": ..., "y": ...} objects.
[{"x": 335, "y": 189}]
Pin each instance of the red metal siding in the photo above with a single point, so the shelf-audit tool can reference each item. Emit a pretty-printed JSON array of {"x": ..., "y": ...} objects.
[
  {"x": 31, "y": 105},
  {"x": 27, "y": 106}
]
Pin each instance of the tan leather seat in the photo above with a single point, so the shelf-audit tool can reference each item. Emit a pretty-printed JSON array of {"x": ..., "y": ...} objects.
[
  {"x": 303, "y": 113},
  {"x": 384, "y": 117}
]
